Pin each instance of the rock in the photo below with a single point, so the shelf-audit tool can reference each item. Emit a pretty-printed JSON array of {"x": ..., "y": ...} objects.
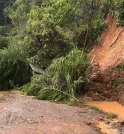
[{"x": 121, "y": 97}]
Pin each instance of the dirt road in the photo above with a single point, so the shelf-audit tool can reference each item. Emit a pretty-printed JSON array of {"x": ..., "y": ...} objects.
[{"x": 24, "y": 115}]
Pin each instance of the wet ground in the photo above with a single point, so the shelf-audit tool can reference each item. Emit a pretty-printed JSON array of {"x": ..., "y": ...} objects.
[
  {"x": 112, "y": 126},
  {"x": 25, "y": 115},
  {"x": 110, "y": 107}
]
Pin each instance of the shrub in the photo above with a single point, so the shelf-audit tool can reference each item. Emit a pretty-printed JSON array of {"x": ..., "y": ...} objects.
[
  {"x": 14, "y": 70},
  {"x": 4, "y": 39},
  {"x": 63, "y": 79},
  {"x": 3, "y": 42}
]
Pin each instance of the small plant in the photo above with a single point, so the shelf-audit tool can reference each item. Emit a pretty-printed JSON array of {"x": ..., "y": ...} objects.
[
  {"x": 107, "y": 115},
  {"x": 94, "y": 108},
  {"x": 117, "y": 82},
  {"x": 14, "y": 70},
  {"x": 111, "y": 116}
]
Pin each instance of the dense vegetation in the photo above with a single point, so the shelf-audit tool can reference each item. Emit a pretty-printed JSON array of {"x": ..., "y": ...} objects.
[
  {"x": 52, "y": 35},
  {"x": 62, "y": 79}
]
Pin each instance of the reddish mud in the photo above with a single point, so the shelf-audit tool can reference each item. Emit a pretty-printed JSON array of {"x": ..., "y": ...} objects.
[
  {"x": 110, "y": 107},
  {"x": 107, "y": 56},
  {"x": 109, "y": 50},
  {"x": 110, "y": 127}
]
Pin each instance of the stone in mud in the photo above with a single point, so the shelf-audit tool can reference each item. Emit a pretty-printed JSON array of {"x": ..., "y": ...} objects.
[{"x": 121, "y": 97}]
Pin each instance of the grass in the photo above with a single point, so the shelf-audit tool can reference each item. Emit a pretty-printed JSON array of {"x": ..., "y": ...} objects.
[
  {"x": 93, "y": 107},
  {"x": 111, "y": 116}
]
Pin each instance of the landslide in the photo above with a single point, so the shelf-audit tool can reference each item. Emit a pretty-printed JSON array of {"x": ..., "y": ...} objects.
[
  {"x": 108, "y": 51},
  {"x": 107, "y": 71}
]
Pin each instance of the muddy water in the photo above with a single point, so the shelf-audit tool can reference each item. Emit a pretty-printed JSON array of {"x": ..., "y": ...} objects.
[
  {"x": 105, "y": 128},
  {"x": 110, "y": 107}
]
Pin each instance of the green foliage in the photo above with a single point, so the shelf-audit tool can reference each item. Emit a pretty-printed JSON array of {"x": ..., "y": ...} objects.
[
  {"x": 63, "y": 79},
  {"x": 4, "y": 39},
  {"x": 39, "y": 38},
  {"x": 120, "y": 13},
  {"x": 4, "y": 30},
  {"x": 3, "y": 42},
  {"x": 111, "y": 116},
  {"x": 14, "y": 71},
  {"x": 43, "y": 32},
  {"x": 49, "y": 29},
  {"x": 48, "y": 42},
  {"x": 117, "y": 8}
]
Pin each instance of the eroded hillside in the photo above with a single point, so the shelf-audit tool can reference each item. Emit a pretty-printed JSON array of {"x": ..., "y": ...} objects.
[
  {"x": 107, "y": 76},
  {"x": 110, "y": 47}
]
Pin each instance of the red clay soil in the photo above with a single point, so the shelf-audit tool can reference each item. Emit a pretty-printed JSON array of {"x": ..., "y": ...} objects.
[
  {"x": 24, "y": 115},
  {"x": 110, "y": 49},
  {"x": 106, "y": 54}
]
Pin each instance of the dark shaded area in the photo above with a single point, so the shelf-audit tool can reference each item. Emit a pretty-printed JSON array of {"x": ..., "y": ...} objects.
[
  {"x": 15, "y": 73},
  {"x": 3, "y": 20}
]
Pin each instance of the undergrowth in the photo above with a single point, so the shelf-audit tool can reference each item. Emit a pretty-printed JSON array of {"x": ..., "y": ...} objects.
[
  {"x": 14, "y": 70},
  {"x": 63, "y": 79}
]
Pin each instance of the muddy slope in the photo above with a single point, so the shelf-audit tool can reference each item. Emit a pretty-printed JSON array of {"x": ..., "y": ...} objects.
[
  {"x": 108, "y": 51},
  {"x": 107, "y": 75},
  {"x": 24, "y": 115}
]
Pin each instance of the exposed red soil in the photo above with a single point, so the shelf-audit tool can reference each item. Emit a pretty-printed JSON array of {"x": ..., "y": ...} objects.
[
  {"x": 103, "y": 85},
  {"x": 105, "y": 56},
  {"x": 110, "y": 49}
]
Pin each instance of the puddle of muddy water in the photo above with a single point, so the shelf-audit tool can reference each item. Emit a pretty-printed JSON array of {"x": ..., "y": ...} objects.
[
  {"x": 105, "y": 128},
  {"x": 110, "y": 107}
]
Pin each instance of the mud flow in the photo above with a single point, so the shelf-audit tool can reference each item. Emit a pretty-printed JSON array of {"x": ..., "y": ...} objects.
[
  {"x": 109, "y": 50},
  {"x": 113, "y": 108},
  {"x": 110, "y": 107}
]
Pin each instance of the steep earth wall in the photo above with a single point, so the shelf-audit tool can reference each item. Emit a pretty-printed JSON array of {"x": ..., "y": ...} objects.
[
  {"x": 109, "y": 50},
  {"x": 107, "y": 73}
]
